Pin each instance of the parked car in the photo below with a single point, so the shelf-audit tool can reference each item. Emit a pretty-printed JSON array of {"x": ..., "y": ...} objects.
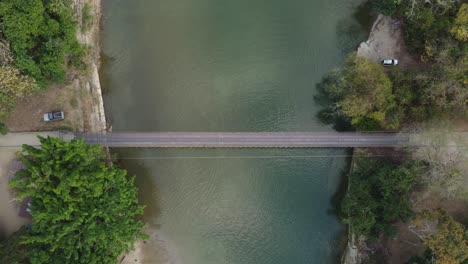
[
  {"x": 53, "y": 116},
  {"x": 390, "y": 62}
]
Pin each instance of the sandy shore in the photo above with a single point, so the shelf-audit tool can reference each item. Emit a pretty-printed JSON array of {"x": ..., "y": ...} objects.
[{"x": 155, "y": 250}]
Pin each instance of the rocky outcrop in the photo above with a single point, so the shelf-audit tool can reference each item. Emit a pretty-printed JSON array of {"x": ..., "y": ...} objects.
[{"x": 351, "y": 254}]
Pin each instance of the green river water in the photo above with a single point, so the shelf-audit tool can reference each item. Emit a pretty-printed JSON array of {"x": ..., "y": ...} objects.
[{"x": 219, "y": 65}]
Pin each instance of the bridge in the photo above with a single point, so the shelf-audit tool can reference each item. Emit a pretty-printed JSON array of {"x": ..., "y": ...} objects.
[
  {"x": 244, "y": 139},
  {"x": 221, "y": 139}
]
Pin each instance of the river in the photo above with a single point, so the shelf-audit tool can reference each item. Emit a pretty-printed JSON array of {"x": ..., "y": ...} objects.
[{"x": 219, "y": 65}]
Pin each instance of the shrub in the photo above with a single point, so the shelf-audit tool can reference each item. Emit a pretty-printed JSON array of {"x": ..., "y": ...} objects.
[
  {"x": 86, "y": 18},
  {"x": 14, "y": 86},
  {"x": 3, "y": 129}
]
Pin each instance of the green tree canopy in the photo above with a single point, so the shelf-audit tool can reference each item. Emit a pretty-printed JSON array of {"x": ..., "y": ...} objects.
[
  {"x": 361, "y": 91},
  {"x": 428, "y": 25},
  {"x": 378, "y": 196},
  {"x": 83, "y": 211},
  {"x": 42, "y": 36},
  {"x": 11, "y": 249}
]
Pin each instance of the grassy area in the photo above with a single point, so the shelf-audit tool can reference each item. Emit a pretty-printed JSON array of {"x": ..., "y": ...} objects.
[{"x": 87, "y": 18}]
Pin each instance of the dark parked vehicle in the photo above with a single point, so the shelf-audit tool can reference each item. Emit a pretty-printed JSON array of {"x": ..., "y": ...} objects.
[{"x": 53, "y": 116}]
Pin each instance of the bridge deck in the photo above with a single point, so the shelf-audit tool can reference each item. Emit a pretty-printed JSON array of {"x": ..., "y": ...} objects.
[{"x": 244, "y": 139}]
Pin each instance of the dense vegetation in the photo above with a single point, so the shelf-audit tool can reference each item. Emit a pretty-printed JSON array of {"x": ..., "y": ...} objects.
[
  {"x": 371, "y": 99},
  {"x": 431, "y": 26},
  {"x": 83, "y": 211},
  {"x": 436, "y": 33},
  {"x": 42, "y": 35},
  {"x": 446, "y": 239},
  {"x": 361, "y": 91},
  {"x": 378, "y": 196},
  {"x": 37, "y": 41}
]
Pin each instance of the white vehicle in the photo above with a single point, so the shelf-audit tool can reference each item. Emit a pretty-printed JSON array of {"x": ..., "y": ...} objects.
[
  {"x": 390, "y": 62},
  {"x": 53, "y": 116}
]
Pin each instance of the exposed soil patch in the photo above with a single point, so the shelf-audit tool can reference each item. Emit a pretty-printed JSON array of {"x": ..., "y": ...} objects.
[
  {"x": 155, "y": 250},
  {"x": 386, "y": 42},
  {"x": 460, "y": 124},
  {"x": 407, "y": 244},
  {"x": 456, "y": 207},
  {"x": 404, "y": 246},
  {"x": 73, "y": 99}
]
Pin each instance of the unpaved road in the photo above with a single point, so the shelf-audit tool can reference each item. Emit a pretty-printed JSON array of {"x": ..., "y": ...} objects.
[{"x": 9, "y": 219}]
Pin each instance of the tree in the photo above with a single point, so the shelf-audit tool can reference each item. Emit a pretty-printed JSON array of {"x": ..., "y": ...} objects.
[
  {"x": 386, "y": 7},
  {"x": 460, "y": 28},
  {"x": 11, "y": 249},
  {"x": 83, "y": 211},
  {"x": 378, "y": 196},
  {"x": 437, "y": 91},
  {"x": 446, "y": 238},
  {"x": 41, "y": 35},
  {"x": 362, "y": 92},
  {"x": 428, "y": 24}
]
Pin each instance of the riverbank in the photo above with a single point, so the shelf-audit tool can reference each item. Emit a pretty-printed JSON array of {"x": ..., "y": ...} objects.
[
  {"x": 385, "y": 41},
  {"x": 80, "y": 98}
]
